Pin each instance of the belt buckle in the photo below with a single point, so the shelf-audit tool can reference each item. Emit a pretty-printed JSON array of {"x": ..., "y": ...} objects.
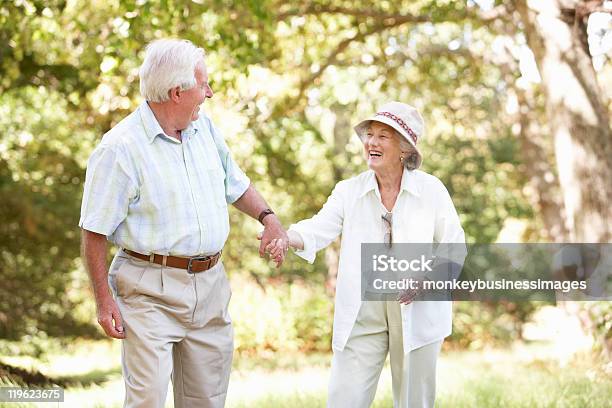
[{"x": 195, "y": 258}]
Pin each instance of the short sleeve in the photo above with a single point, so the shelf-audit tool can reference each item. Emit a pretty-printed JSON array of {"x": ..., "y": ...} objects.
[
  {"x": 108, "y": 191},
  {"x": 236, "y": 181}
]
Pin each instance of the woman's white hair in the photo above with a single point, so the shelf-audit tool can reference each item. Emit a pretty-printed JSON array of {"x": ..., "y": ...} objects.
[
  {"x": 412, "y": 160},
  {"x": 168, "y": 63}
]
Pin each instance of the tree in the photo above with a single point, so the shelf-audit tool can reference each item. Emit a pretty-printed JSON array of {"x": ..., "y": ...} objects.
[
  {"x": 67, "y": 74},
  {"x": 577, "y": 110},
  {"x": 290, "y": 79}
]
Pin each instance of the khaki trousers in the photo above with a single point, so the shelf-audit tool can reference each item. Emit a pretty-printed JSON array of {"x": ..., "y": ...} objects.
[
  {"x": 356, "y": 369},
  {"x": 177, "y": 327}
]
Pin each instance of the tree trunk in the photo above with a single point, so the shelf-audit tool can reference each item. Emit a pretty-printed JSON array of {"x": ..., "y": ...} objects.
[
  {"x": 543, "y": 179},
  {"x": 342, "y": 133},
  {"x": 577, "y": 111}
]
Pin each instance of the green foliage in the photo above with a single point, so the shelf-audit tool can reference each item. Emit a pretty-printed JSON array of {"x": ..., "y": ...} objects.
[
  {"x": 296, "y": 317},
  {"x": 599, "y": 325},
  {"x": 67, "y": 76},
  {"x": 478, "y": 325},
  {"x": 483, "y": 183},
  {"x": 40, "y": 180},
  {"x": 290, "y": 80}
]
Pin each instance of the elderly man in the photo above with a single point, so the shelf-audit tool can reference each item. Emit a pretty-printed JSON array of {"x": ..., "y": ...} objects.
[{"x": 158, "y": 186}]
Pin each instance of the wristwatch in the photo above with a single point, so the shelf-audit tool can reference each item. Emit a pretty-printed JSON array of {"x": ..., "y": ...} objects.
[{"x": 263, "y": 215}]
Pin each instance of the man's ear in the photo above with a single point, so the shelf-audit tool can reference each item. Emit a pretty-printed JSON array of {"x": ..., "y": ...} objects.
[{"x": 175, "y": 94}]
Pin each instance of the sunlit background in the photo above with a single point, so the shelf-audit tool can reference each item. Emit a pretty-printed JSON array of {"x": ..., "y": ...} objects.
[{"x": 516, "y": 99}]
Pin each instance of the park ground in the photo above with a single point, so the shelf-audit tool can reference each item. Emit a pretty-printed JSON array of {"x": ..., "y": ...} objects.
[{"x": 522, "y": 375}]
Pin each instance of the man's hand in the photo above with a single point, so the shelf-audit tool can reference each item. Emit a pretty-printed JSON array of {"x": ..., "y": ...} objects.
[
  {"x": 109, "y": 317},
  {"x": 273, "y": 230},
  {"x": 94, "y": 254},
  {"x": 252, "y": 204}
]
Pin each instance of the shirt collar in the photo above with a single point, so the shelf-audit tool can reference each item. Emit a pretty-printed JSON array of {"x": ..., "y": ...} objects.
[
  {"x": 410, "y": 183},
  {"x": 153, "y": 128}
]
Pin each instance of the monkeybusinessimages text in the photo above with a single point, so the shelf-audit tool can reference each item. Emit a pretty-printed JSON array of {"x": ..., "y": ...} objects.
[{"x": 422, "y": 265}]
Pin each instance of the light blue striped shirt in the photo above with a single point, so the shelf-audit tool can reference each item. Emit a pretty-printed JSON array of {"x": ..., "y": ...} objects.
[{"x": 149, "y": 192}]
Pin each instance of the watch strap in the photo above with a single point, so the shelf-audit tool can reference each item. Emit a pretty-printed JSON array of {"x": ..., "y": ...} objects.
[{"x": 263, "y": 214}]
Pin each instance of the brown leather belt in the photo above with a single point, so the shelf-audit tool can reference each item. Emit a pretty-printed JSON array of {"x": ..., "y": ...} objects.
[{"x": 193, "y": 265}]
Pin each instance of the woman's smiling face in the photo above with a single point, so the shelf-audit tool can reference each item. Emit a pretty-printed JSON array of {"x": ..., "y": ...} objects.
[{"x": 382, "y": 147}]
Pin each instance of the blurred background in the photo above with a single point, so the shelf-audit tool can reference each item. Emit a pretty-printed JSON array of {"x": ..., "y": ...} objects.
[{"x": 516, "y": 100}]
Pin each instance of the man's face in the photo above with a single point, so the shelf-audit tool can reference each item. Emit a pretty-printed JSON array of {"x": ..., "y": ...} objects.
[{"x": 192, "y": 99}]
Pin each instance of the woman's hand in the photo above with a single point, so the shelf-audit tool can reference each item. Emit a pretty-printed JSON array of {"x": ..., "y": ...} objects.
[
  {"x": 277, "y": 248},
  {"x": 405, "y": 297}
]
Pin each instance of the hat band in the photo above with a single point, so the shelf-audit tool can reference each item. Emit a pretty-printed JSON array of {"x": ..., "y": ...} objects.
[{"x": 401, "y": 123}]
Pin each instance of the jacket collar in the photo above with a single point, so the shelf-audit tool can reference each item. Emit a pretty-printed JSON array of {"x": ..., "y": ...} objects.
[{"x": 410, "y": 183}]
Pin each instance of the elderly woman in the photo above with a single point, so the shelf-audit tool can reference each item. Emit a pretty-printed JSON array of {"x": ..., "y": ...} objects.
[{"x": 390, "y": 202}]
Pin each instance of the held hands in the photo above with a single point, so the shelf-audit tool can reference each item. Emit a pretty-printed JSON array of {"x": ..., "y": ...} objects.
[
  {"x": 278, "y": 248},
  {"x": 274, "y": 240}
]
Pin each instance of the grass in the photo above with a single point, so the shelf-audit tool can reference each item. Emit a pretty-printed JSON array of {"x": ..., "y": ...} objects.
[{"x": 521, "y": 376}]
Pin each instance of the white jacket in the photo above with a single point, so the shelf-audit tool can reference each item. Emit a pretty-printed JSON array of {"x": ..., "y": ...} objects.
[{"x": 423, "y": 212}]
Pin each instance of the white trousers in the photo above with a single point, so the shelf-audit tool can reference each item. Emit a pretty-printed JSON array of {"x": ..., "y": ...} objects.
[
  {"x": 356, "y": 369},
  {"x": 177, "y": 327}
]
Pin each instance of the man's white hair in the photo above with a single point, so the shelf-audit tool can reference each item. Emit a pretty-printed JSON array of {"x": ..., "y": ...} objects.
[{"x": 168, "y": 63}]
